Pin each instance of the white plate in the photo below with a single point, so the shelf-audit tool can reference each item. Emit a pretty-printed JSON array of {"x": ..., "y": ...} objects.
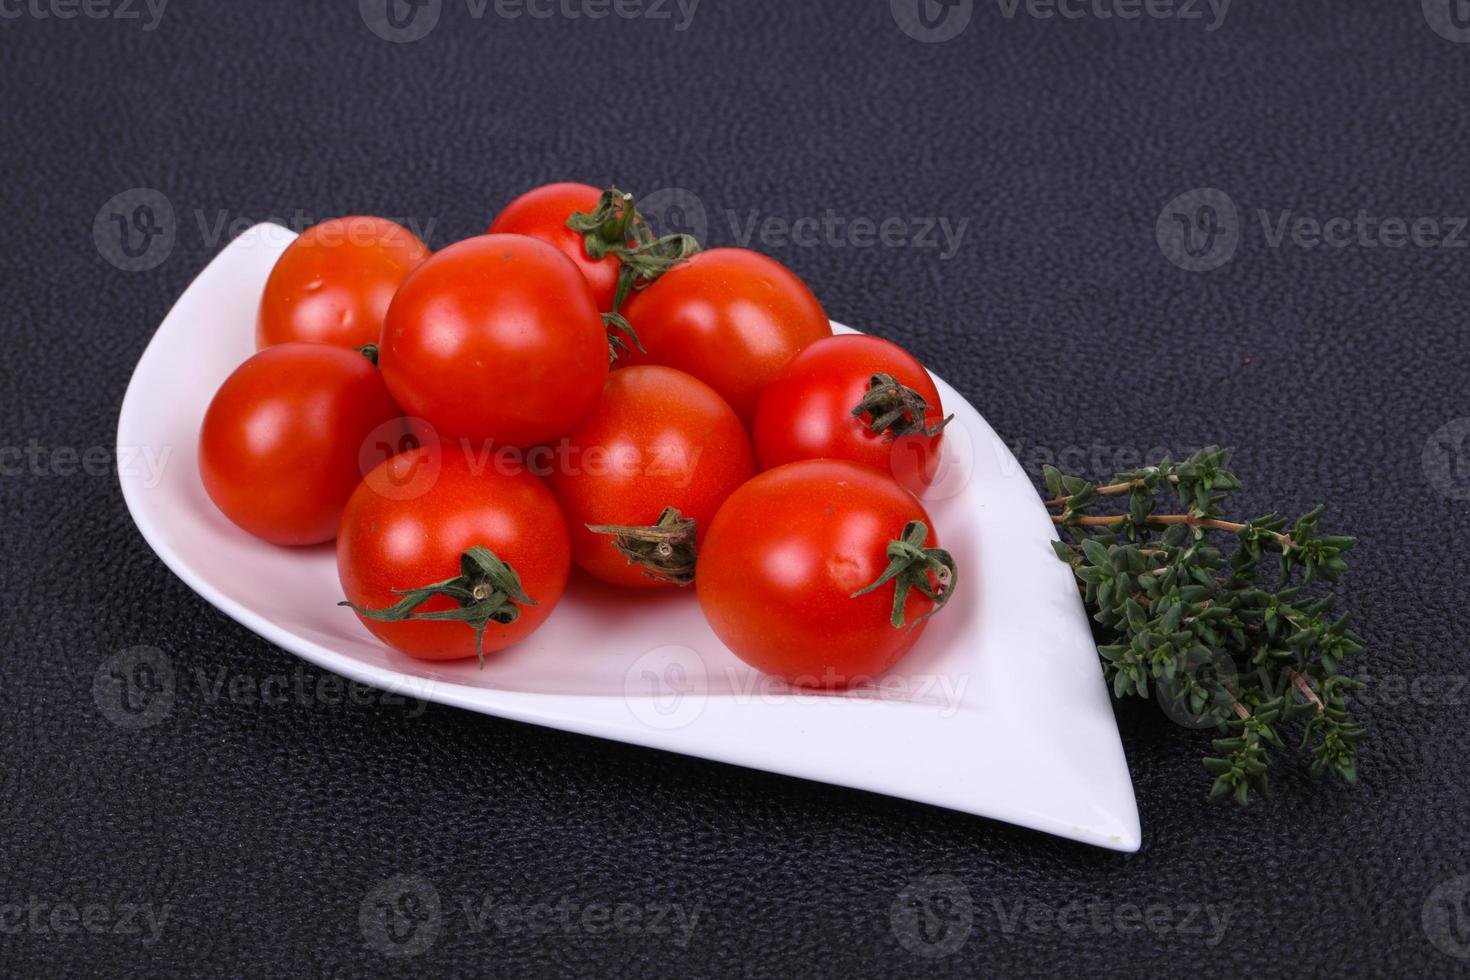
[{"x": 1000, "y": 710}]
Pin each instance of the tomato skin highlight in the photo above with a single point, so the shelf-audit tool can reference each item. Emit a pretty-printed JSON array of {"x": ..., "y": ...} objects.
[
  {"x": 390, "y": 542},
  {"x": 280, "y": 444},
  {"x": 805, "y": 412},
  {"x": 730, "y": 317},
  {"x": 496, "y": 338},
  {"x": 542, "y": 213},
  {"x": 665, "y": 439},
  {"x": 333, "y": 284},
  {"x": 784, "y": 556}
]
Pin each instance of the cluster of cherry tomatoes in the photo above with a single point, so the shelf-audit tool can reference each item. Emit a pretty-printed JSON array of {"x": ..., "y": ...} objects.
[{"x": 566, "y": 389}]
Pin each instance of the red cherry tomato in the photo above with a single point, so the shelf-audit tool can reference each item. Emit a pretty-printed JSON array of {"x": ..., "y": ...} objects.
[
  {"x": 784, "y": 566},
  {"x": 543, "y": 212},
  {"x": 391, "y": 542},
  {"x": 496, "y": 338},
  {"x": 333, "y": 284},
  {"x": 657, "y": 438},
  {"x": 280, "y": 443},
  {"x": 806, "y": 412},
  {"x": 730, "y": 317}
]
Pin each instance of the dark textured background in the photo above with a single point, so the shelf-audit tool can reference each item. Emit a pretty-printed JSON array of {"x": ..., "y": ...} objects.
[{"x": 1059, "y": 142}]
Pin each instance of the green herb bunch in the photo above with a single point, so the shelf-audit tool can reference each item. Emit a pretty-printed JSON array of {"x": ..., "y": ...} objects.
[{"x": 1219, "y": 643}]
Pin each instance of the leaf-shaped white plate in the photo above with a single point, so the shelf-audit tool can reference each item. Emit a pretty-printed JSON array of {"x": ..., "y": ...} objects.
[{"x": 1000, "y": 710}]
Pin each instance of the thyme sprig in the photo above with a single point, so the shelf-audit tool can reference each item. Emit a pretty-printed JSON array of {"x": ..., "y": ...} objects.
[{"x": 1216, "y": 639}]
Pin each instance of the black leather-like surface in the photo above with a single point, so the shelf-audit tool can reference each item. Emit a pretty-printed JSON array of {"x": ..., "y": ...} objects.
[{"x": 1058, "y": 142}]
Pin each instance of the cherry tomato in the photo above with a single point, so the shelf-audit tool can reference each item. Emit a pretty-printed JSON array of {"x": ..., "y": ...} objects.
[
  {"x": 280, "y": 443},
  {"x": 730, "y": 317},
  {"x": 787, "y": 570},
  {"x": 496, "y": 338},
  {"x": 806, "y": 412},
  {"x": 333, "y": 284},
  {"x": 390, "y": 543},
  {"x": 657, "y": 439},
  {"x": 543, "y": 212}
]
